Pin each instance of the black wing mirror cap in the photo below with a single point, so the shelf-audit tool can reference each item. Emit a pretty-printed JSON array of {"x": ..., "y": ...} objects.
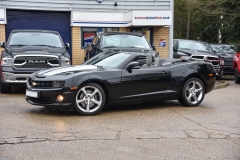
[
  {"x": 174, "y": 50},
  {"x": 94, "y": 46},
  {"x": 133, "y": 65},
  {"x": 67, "y": 45},
  {"x": 3, "y": 44},
  {"x": 154, "y": 48}
]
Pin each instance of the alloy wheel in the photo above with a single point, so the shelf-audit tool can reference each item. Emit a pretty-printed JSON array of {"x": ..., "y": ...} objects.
[
  {"x": 89, "y": 99},
  {"x": 194, "y": 92}
]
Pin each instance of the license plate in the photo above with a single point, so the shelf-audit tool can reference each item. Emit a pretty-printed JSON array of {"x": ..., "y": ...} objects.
[{"x": 31, "y": 94}]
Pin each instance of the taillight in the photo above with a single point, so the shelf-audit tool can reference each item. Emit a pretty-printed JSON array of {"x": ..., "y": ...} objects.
[{"x": 221, "y": 61}]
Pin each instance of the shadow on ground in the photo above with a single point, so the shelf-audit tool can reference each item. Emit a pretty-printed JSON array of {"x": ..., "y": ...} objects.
[{"x": 109, "y": 109}]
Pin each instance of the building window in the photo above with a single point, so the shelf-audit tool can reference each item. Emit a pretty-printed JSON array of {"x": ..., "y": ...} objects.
[{"x": 87, "y": 34}]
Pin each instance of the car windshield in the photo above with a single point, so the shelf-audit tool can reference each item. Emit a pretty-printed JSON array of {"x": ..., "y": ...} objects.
[
  {"x": 110, "y": 60},
  {"x": 125, "y": 41},
  {"x": 35, "y": 39},
  {"x": 224, "y": 48},
  {"x": 194, "y": 45}
]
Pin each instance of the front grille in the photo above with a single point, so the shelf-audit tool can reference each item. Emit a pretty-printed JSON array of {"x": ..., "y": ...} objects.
[
  {"x": 40, "y": 84},
  {"x": 42, "y": 100},
  {"x": 214, "y": 63},
  {"x": 228, "y": 63},
  {"x": 45, "y": 84},
  {"x": 198, "y": 57},
  {"x": 212, "y": 58},
  {"x": 35, "y": 61}
]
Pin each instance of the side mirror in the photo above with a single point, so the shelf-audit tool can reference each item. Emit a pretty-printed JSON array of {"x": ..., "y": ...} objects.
[
  {"x": 3, "y": 45},
  {"x": 133, "y": 65},
  {"x": 214, "y": 51},
  {"x": 154, "y": 48},
  {"x": 174, "y": 50},
  {"x": 67, "y": 45},
  {"x": 94, "y": 46}
]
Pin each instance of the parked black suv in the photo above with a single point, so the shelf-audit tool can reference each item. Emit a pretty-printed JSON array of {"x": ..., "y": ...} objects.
[
  {"x": 198, "y": 50},
  {"x": 119, "y": 41},
  {"x": 225, "y": 51},
  {"x": 27, "y": 51}
]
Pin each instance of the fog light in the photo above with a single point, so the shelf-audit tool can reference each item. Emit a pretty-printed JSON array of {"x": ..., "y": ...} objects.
[{"x": 60, "y": 98}]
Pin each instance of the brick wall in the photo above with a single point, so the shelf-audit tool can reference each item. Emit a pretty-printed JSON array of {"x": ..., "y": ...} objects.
[
  {"x": 77, "y": 52},
  {"x": 161, "y": 33},
  {"x": 2, "y": 35}
]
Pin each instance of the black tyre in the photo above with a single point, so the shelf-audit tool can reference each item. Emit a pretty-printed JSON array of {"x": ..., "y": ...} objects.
[
  {"x": 218, "y": 77},
  {"x": 90, "y": 99},
  {"x": 3, "y": 88},
  {"x": 192, "y": 93},
  {"x": 236, "y": 76}
]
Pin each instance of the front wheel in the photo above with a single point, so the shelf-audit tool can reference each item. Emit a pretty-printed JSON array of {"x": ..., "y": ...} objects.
[
  {"x": 3, "y": 88},
  {"x": 192, "y": 93},
  {"x": 219, "y": 77},
  {"x": 90, "y": 99},
  {"x": 236, "y": 75}
]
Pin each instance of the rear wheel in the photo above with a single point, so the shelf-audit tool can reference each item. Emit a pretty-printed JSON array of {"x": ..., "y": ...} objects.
[
  {"x": 90, "y": 99},
  {"x": 236, "y": 75},
  {"x": 192, "y": 93}
]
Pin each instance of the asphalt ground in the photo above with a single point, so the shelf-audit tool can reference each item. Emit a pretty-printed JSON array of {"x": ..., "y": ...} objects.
[{"x": 163, "y": 130}]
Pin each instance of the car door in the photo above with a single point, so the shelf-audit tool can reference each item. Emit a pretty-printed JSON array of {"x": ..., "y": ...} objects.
[{"x": 145, "y": 82}]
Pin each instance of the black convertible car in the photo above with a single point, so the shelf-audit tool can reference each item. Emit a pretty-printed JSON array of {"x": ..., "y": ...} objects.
[{"x": 121, "y": 77}]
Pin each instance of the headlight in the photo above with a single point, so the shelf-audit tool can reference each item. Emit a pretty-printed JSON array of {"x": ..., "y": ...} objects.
[
  {"x": 184, "y": 57},
  {"x": 221, "y": 61},
  {"x": 64, "y": 61},
  {"x": 58, "y": 84},
  {"x": 6, "y": 61}
]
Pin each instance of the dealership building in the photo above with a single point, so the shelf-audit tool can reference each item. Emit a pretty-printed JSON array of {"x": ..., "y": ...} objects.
[{"x": 78, "y": 20}]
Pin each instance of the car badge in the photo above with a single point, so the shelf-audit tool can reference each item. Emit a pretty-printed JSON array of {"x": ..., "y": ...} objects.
[
  {"x": 34, "y": 84},
  {"x": 99, "y": 1}
]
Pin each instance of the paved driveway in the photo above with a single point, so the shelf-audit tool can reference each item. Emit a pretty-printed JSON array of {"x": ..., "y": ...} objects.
[{"x": 163, "y": 130}]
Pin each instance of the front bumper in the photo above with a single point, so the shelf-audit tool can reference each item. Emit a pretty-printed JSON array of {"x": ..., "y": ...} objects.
[
  {"x": 218, "y": 71},
  {"x": 48, "y": 97},
  {"x": 8, "y": 77}
]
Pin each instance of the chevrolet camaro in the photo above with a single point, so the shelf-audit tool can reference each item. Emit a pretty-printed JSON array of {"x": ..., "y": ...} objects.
[{"x": 121, "y": 77}]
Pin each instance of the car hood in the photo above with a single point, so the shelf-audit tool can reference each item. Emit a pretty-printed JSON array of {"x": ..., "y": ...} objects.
[
  {"x": 66, "y": 70},
  {"x": 226, "y": 55},
  {"x": 142, "y": 50},
  {"x": 196, "y": 52},
  {"x": 43, "y": 50}
]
